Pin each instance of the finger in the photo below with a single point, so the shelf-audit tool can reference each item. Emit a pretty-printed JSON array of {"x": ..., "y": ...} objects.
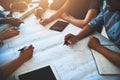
[
  {"x": 69, "y": 36},
  {"x": 66, "y": 37},
  {"x": 15, "y": 32},
  {"x": 41, "y": 21},
  {"x": 31, "y": 46},
  {"x": 11, "y": 28}
]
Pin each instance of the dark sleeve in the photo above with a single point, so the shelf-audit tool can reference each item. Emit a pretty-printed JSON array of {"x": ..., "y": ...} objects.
[{"x": 96, "y": 4}]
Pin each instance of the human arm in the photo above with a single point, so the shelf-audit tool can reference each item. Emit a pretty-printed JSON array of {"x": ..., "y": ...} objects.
[
  {"x": 8, "y": 33},
  {"x": 110, "y": 55},
  {"x": 56, "y": 15},
  {"x": 24, "y": 56},
  {"x": 71, "y": 39},
  {"x": 11, "y": 21},
  {"x": 95, "y": 24},
  {"x": 80, "y": 22},
  {"x": 2, "y": 14}
]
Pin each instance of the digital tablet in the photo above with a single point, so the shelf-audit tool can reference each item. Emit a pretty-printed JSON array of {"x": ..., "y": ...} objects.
[
  {"x": 43, "y": 73},
  {"x": 59, "y": 26}
]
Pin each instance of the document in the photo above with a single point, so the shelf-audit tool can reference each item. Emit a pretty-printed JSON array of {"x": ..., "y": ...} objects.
[{"x": 104, "y": 66}]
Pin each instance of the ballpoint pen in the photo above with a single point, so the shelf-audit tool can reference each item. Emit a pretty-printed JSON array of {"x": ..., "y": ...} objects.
[{"x": 21, "y": 49}]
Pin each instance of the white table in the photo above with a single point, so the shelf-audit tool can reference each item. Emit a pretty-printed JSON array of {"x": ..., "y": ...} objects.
[{"x": 73, "y": 62}]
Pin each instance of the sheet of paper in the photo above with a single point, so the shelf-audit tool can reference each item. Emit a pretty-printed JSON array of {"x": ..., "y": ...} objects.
[
  {"x": 103, "y": 40},
  {"x": 105, "y": 67}
]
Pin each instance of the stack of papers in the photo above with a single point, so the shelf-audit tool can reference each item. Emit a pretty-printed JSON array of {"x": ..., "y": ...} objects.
[{"x": 104, "y": 66}]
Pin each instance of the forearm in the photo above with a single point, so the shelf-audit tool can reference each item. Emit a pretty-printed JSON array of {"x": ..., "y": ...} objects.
[
  {"x": 1, "y": 36},
  {"x": 11, "y": 67},
  {"x": 110, "y": 55},
  {"x": 86, "y": 31},
  {"x": 82, "y": 22},
  {"x": 77, "y": 22},
  {"x": 3, "y": 21},
  {"x": 56, "y": 15},
  {"x": 60, "y": 11}
]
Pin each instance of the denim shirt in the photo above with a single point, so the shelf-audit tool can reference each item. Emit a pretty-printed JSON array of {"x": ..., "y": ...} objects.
[{"x": 111, "y": 22}]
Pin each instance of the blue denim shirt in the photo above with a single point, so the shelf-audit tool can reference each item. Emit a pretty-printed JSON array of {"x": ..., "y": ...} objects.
[{"x": 111, "y": 22}]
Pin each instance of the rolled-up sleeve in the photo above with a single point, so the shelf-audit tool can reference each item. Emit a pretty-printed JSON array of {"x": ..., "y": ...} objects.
[{"x": 97, "y": 23}]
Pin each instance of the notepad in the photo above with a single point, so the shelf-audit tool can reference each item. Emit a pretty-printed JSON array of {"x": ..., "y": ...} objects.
[
  {"x": 43, "y": 73},
  {"x": 104, "y": 66},
  {"x": 59, "y": 26}
]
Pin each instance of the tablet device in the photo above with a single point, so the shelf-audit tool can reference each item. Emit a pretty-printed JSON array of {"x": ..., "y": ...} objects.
[
  {"x": 59, "y": 26},
  {"x": 44, "y": 73}
]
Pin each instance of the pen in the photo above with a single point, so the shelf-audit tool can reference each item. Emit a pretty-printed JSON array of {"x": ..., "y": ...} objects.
[
  {"x": 21, "y": 49},
  {"x": 65, "y": 43}
]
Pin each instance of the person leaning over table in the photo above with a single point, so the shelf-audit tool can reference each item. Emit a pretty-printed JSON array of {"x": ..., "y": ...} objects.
[
  {"x": 10, "y": 32},
  {"x": 25, "y": 55},
  {"x": 77, "y": 12},
  {"x": 110, "y": 18},
  {"x": 8, "y": 5},
  {"x": 14, "y": 5},
  {"x": 4, "y": 19},
  {"x": 7, "y": 69}
]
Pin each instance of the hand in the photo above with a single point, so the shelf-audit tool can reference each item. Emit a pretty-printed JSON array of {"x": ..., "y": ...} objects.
[
  {"x": 65, "y": 16},
  {"x": 14, "y": 21},
  {"x": 70, "y": 39},
  {"x": 9, "y": 33},
  {"x": 26, "y": 54},
  {"x": 93, "y": 43},
  {"x": 45, "y": 21}
]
